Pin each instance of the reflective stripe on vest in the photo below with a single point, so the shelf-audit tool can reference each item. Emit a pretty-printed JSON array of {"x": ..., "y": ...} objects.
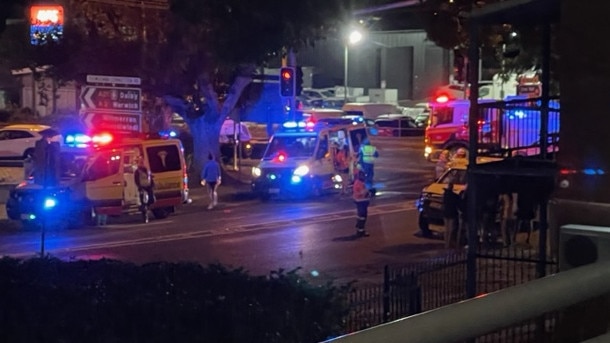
[{"x": 368, "y": 154}]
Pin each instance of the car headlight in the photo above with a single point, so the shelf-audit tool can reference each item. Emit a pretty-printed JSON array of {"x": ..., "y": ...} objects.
[
  {"x": 301, "y": 171},
  {"x": 256, "y": 171}
]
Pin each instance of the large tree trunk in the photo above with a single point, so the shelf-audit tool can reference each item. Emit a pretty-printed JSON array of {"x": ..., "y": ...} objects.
[
  {"x": 205, "y": 140},
  {"x": 205, "y": 128}
]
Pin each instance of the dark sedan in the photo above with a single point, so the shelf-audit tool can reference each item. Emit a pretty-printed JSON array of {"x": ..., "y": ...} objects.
[{"x": 398, "y": 126}]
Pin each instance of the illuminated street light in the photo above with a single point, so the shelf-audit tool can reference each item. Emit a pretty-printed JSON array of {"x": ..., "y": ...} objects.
[{"x": 353, "y": 38}]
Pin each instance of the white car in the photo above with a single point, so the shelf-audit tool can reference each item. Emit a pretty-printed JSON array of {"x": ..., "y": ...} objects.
[{"x": 17, "y": 141}]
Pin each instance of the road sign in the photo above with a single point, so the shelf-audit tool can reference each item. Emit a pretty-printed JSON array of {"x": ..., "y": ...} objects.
[
  {"x": 121, "y": 99},
  {"x": 127, "y": 122},
  {"x": 119, "y": 80}
]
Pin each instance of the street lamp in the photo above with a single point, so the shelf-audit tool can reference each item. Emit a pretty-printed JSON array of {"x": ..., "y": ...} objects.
[{"x": 354, "y": 37}]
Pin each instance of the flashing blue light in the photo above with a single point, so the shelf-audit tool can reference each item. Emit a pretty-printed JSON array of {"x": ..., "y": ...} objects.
[
  {"x": 294, "y": 124},
  {"x": 173, "y": 134},
  {"x": 272, "y": 176},
  {"x": 296, "y": 179},
  {"x": 49, "y": 203},
  {"x": 32, "y": 217},
  {"x": 79, "y": 140}
]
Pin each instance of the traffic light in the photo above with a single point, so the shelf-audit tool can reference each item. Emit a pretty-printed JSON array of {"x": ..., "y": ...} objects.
[{"x": 287, "y": 81}]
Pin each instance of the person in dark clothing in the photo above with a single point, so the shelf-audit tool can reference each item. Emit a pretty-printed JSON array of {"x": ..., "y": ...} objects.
[
  {"x": 145, "y": 183},
  {"x": 451, "y": 204},
  {"x": 526, "y": 212}
]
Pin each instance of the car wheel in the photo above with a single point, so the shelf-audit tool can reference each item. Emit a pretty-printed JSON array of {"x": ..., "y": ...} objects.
[
  {"x": 162, "y": 213},
  {"x": 29, "y": 153},
  {"x": 424, "y": 225}
]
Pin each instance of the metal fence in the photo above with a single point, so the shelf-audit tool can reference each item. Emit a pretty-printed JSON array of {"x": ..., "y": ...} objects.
[
  {"x": 440, "y": 281},
  {"x": 513, "y": 128}
]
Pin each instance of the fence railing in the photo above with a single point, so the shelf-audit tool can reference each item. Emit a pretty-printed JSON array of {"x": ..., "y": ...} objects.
[
  {"x": 479, "y": 316},
  {"x": 513, "y": 128}
]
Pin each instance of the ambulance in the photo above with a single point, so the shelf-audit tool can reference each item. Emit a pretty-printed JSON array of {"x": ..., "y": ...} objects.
[
  {"x": 306, "y": 159},
  {"x": 97, "y": 178}
]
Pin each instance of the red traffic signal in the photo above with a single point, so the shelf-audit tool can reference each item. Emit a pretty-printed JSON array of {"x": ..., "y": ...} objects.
[{"x": 287, "y": 81}]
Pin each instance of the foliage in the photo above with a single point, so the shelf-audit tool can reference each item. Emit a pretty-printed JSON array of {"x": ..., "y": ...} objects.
[
  {"x": 506, "y": 47},
  {"x": 112, "y": 301}
]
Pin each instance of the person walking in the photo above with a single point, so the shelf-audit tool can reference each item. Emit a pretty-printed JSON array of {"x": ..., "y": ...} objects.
[
  {"x": 361, "y": 199},
  {"x": 367, "y": 156},
  {"x": 441, "y": 164},
  {"x": 145, "y": 184},
  {"x": 211, "y": 178},
  {"x": 451, "y": 204}
]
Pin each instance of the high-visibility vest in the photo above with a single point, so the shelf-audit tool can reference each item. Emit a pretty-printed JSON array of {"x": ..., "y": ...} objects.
[{"x": 368, "y": 154}]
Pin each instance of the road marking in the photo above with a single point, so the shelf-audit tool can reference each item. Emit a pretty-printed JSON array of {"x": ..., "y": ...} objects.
[{"x": 374, "y": 210}]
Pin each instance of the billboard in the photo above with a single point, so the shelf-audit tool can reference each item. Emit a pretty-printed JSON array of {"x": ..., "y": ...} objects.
[{"x": 46, "y": 23}]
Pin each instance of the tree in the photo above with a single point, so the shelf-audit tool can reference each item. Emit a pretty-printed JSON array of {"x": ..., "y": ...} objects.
[
  {"x": 219, "y": 45},
  {"x": 505, "y": 47}
]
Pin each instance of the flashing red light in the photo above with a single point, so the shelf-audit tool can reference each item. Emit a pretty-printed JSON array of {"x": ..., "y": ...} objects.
[
  {"x": 281, "y": 157},
  {"x": 103, "y": 138},
  {"x": 442, "y": 99}
]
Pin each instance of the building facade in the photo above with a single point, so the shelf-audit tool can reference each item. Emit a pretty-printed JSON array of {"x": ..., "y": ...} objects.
[{"x": 402, "y": 60}]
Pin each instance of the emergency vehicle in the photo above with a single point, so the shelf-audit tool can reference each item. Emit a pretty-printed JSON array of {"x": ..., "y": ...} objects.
[
  {"x": 512, "y": 128},
  {"x": 97, "y": 178},
  {"x": 307, "y": 159}
]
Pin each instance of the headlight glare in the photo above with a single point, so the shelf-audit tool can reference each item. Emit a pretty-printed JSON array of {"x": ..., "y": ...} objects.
[
  {"x": 256, "y": 171},
  {"x": 301, "y": 171}
]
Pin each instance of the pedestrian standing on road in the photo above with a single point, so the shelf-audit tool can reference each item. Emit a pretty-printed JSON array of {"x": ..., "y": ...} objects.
[
  {"x": 145, "y": 183},
  {"x": 451, "y": 204},
  {"x": 441, "y": 164},
  {"x": 361, "y": 199},
  {"x": 211, "y": 178}
]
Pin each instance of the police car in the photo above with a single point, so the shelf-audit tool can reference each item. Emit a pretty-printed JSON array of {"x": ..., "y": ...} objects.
[
  {"x": 430, "y": 201},
  {"x": 301, "y": 159}
]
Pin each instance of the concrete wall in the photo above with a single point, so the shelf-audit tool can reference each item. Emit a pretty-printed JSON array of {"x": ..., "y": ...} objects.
[{"x": 405, "y": 60}]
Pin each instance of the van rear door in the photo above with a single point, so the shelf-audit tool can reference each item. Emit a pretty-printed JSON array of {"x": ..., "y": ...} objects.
[
  {"x": 103, "y": 178},
  {"x": 167, "y": 166}
]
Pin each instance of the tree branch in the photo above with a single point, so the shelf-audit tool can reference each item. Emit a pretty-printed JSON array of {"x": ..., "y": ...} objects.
[
  {"x": 243, "y": 79},
  {"x": 206, "y": 89}
]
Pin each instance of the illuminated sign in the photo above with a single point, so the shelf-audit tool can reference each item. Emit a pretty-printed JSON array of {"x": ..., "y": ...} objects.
[{"x": 46, "y": 23}]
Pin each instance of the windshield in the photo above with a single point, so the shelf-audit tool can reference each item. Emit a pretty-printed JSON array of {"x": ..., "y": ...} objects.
[
  {"x": 455, "y": 176},
  {"x": 291, "y": 146}
]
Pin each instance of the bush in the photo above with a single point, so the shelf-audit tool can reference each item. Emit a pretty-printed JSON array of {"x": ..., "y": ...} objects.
[{"x": 45, "y": 299}]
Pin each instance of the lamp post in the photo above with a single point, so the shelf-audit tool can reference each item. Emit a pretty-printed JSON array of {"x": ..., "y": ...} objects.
[{"x": 354, "y": 37}]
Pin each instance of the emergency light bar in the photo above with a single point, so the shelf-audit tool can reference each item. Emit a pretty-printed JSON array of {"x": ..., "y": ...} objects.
[{"x": 81, "y": 140}]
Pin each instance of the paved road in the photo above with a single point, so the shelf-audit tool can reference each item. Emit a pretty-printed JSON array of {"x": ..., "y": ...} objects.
[{"x": 316, "y": 235}]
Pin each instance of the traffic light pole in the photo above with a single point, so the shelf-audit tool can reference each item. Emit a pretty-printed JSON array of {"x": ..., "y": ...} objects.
[{"x": 292, "y": 62}]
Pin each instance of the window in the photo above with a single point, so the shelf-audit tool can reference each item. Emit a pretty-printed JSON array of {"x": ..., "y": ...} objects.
[
  {"x": 442, "y": 115},
  {"x": 455, "y": 176},
  {"x": 105, "y": 164},
  {"x": 20, "y": 134},
  {"x": 357, "y": 136},
  {"x": 163, "y": 158},
  {"x": 293, "y": 146},
  {"x": 323, "y": 148}
]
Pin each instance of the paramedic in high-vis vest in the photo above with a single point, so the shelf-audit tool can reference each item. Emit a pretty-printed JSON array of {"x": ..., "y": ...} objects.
[{"x": 367, "y": 155}]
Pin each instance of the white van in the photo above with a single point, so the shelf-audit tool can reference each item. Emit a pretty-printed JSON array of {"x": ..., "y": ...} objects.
[{"x": 369, "y": 110}]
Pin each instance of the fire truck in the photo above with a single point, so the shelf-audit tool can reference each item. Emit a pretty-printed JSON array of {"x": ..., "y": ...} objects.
[{"x": 511, "y": 127}]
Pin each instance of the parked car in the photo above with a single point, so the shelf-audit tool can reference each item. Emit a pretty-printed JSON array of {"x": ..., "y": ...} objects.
[
  {"x": 18, "y": 141},
  {"x": 421, "y": 120},
  {"x": 397, "y": 125}
]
